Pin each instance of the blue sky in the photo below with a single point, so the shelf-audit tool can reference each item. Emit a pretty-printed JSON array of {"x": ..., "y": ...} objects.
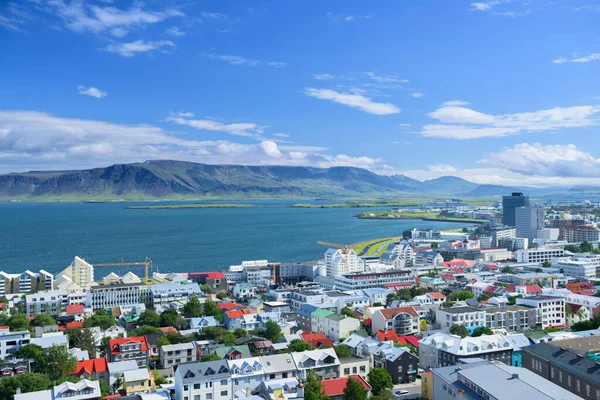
[{"x": 500, "y": 91}]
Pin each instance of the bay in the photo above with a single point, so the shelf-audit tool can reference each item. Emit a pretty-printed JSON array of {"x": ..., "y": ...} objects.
[{"x": 48, "y": 235}]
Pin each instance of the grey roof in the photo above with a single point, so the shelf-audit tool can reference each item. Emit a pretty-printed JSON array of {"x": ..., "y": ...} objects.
[
  {"x": 542, "y": 297},
  {"x": 201, "y": 371},
  {"x": 179, "y": 346},
  {"x": 459, "y": 310},
  {"x": 175, "y": 288},
  {"x": 566, "y": 359},
  {"x": 277, "y": 363},
  {"x": 136, "y": 375},
  {"x": 120, "y": 366}
]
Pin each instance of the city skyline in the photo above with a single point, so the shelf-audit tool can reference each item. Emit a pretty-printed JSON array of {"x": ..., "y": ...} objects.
[{"x": 501, "y": 92}]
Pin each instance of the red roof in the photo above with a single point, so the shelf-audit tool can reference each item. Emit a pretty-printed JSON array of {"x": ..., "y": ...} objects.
[
  {"x": 412, "y": 339},
  {"x": 585, "y": 288},
  {"x": 209, "y": 275},
  {"x": 112, "y": 396},
  {"x": 533, "y": 289},
  {"x": 94, "y": 365},
  {"x": 229, "y": 306},
  {"x": 397, "y": 286},
  {"x": 316, "y": 339},
  {"x": 437, "y": 295},
  {"x": 387, "y": 335},
  {"x": 115, "y": 344},
  {"x": 237, "y": 313},
  {"x": 389, "y": 313},
  {"x": 74, "y": 309},
  {"x": 74, "y": 325},
  {"x": 335, "y": 387},
  {"x": 492, "y": 266},
  {"x": 167, "y": 329},
  {"x": 447, "y": 277}
]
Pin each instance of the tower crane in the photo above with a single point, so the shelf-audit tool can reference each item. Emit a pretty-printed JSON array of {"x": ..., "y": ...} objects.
[{"x": 147, "y": 265}]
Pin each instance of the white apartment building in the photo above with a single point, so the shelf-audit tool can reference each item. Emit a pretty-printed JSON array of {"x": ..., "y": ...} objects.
[
  {"x": 529, "y": 221},
  {"x": 203, "y": 380},
  {"x": 367, "y": 280},
  {"x": 402, "y": 320},
  {"x": 51, "y": 302},
  {"x": 591, "y": 303},
  {"x": 538, "y": 255},
  {"x": 246, "y": 373},
  {"x": 10, "y": 342},
  {"x": 106, "y": 296},
  {"x": 553, "y": 309},
  {"x": 163, "y": 294},
  {"x": 467, "y": 316},
  {"x": 338, "y": 326},
  {"x": 175, "y": 354},
  {"x": 79, "y": 273},
  {"x": 576, "y": 268},
  {"x": 339, "y": 262}
]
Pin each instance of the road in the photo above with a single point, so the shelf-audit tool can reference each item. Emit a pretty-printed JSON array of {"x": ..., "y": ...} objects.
[{"x": 413, "y": 389}]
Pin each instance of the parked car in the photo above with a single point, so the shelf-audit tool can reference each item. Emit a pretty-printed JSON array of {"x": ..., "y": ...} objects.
[{"x": 399, "y": 393}]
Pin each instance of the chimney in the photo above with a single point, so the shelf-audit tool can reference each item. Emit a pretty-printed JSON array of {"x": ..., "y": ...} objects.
[
  {"x": 460, "y": 394},
  {"x": 515, "y": 376},
  {"x": 18, "y": 390},
  {"x": 248, "y": 392}
]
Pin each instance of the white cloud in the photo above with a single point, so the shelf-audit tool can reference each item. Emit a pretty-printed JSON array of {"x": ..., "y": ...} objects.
[
  {"x": 455, "y": 103},
  {"x": 91, "y": 91},
  {"x": 578, "y": 59},
  {"x": 209, "y": 15},
  {"x": 385, "y": 79},
  {"x": 484, "y": 6},
  {"x": 119, "y": 32},
  {"x": 456, "y": 122},
  {"x": 248, "y": 129},
  {"x": 239, "y": 60},
  {"x": 14, "y": 16},
  {"x": 323, "y": 77},
  {"x": 185, "y": 114},
  {"x": 589, "y": 7},
  {"x": 36, "y": 140},
  {"x": 139, "y": 46},
  {"x": 347, "y": 17},
  {"x": 441, "y": 168},
  {"x": 491, "y": 7},
  {"x": 416, "y": 95},
  {"x": 404, "y": 126},
  {"x": 281, "y": 135},
  {"x": 174, "y": 31},
  {"x": 550, "y": 160},
  {"x": 361, "y": 102}
]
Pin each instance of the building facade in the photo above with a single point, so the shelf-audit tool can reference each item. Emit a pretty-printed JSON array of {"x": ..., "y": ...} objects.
[{"x": 509, "y": 205}]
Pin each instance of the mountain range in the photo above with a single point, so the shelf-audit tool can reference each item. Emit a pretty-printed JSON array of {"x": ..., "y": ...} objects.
[{"x": 167, "y": 179}]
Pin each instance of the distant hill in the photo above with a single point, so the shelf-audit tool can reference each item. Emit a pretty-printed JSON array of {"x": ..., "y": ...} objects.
[{"x": 166, "y": 179}]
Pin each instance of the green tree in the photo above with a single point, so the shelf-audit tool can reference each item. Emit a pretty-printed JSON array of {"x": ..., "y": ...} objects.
[
  {"x": 448, "y": 304},
  {"x": 572, "y": 248},
  {"x": 354, "y": 390},
  {"x": 506, "y": 270},
  {"x": 193, "y": 308},
  {"x": 210, "y": 308},
  {"x": 158, "y": 378},
  {"x": 56, "y": 362},
  {"x": 343, "y": 351},
  {"x": 221, "y": 295},
  {"x": 167, "y": 317},
  {"x": 459, "y": 330},
  {"x": 483, "y": 297},
  {"x": 546, "y": 264},
  {"x": 313, "y": 389},
  {"x": 104, "y": 388},
  {"x": 82, "y": 338},
  {"x": 101, "y": 319},
  {"x": 586, "y": 247},
  {"x": 377, "y": 304},
  {"x": 144, "y": 330},
  {"x": 210, "y": 357},
  {"x": 239, "y": 333},
  {"x": 348, "y": 312},
  {"x": 462, "y": 295},
  {"x": 149, "y": 318},
  {"x": 273, "y": 331},
  {"x": 104, "y": 344},
  {"x": 18, "y": 322},
  {"x": 435, "y": 245},
  {"x": 380, "y": 380},
  {"x": 30, "y": 351},
  {"x": 43, "y": 320},
  {"x": 482, "y": 330},
  {"x": 206, "y": 288},
  {"x": 298, "y": 345},
  {"x": 28, "y": 382}
]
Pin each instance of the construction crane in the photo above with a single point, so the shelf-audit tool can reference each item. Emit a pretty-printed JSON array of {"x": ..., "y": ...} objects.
[
  {"x": 344, "y": 247},
  {"x": 147, "y": 264}
]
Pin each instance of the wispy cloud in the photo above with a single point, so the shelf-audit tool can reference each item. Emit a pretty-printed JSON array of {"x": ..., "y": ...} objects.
[
  {"x": 281, "y": 135},
  {"x": 578, "y": 59},
  {"x": 91, "y": 91},
  {"x": 248, "y": 129},
  {"x": 458, "y": 122},
  {"x": 416, "y": 95},
  {"x": 484, "y": 5},
  {"x": 491, "y": 6},
  {"x": 174, "y": 31},
  {"x": 455, "y": 103},
  {"x": 589, "y": 7},
  {"x": 210, "y": 15},
  {"x": 323, "y": 77},
  {"x": 139, "y": 46},
  {"x": 361, "y": 102},
  {"x": 346, "y": 17},
  {"x": 384, "y": 78},
  {"x": 14, "y": 16},
  {"x": 239, "y": 60}
]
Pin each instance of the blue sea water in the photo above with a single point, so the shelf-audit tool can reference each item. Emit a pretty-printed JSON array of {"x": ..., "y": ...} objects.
[{"x": 48, "y": 235}]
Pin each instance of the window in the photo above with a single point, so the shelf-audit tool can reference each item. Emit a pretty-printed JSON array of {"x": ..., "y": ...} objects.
[
  {"x": 569, "y": 380},
  {"x": 400, "y": 368},
  {"x": 208, "y": 396},
  {"x": 132, "y": 385},
  {"x": 185, "y": 387},
  {"x": 197, "y": 397},
  {"x": 552, "y": 372},
  {"x": 346, "y": 371},
  {"x": 224, "y": 393},
  {"x": 224, "y": 382},
  {"x": 578, "y": 385},
  {"x": 362, "y": 368},
  {"x": 560, "y": 379},
  {"x": 196, "y": 386}
]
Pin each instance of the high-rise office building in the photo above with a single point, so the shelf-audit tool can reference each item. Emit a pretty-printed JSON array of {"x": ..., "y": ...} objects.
[
  {"x": 529, "y": 222},
  {"x": 509, "y": 203}
]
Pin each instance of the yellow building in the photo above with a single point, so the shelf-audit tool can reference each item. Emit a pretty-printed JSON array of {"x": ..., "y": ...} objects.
[
  {"x": 427, "y": 385},
  {"x": 370, "y": 310},
  {"x": 137, "y": 381}
]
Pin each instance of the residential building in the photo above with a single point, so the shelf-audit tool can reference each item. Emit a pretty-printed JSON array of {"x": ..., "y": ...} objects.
[
  {"x": 79, "y": 276},
  {"x": 509, "y": 205},
  {"x": 125, "y": 294},
  {"x": 485, "y": 380},
  {"x": 443, "y": 349},
  {"x": 367, "y": 280},
  {"x": 323, "y": 362},
  {"x": 501, "y": 233},
  {"x": 576, "y": 268},
  {"x": 402, "y": 320},
  {"x": 467, "y": 316},
  {"x": 53, "y": 302},
  {"x": 94, "y": 368},
  {"x": 591, "y": 303},
  {"x": 553, "y": 309},
  {"x": 167, "y": 294},
  {"x": 573, "y": 369},
  {"x": 427, "y": 257},
  {"x": 400, "y": 363},
  {"x": 11, "y": 342},
  {"x": 82, "y": 390},
  {"x": 246, "y": 374},
  {"x": 353, "y": 366},
  {"x": 342, "y": 261},
  {"x": 375, "y": 295},
  {"x": 131, "y": 348},
  {"x": 293, "y": 273},
  {"x": 276, "y": 307},
  {"x": 233, "y": 352},
  {"x": 529, "y": 221},
  {"x": 317, "y": 320},
  {"x": 280, "y": 389},
  {"x": 512, "y": 318},
  {"x": 216, "y": 280},
  {"x": 279, "y": 366},
  {"x": 539, "y": 255},
  {"x": 203, "y": 380},
  {"x": 174, "y": 354},
  {"x": 243, "y": 291},
  {"x": 138, "y": 381},
  {"x": 580, "y": 233},
  {"x": 338, "y": 326},
  {"x": 334, "y": 388},
  {"x": 14, "y": 367}
]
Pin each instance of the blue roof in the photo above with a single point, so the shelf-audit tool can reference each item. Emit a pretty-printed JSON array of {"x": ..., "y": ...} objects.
[
  {"x": 306, "y": 310},
  {"x": 376, "y": 291}
]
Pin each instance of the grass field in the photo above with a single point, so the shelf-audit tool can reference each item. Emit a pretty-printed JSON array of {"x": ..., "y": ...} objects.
[
  {"x": 404, "y": 202},
  {"x": 180, "y": 206},
  {"x": 427, "y": 216},
  {"x": 374, "y": 244}
]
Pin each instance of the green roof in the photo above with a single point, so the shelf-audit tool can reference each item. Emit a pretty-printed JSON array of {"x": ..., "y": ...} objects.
[
  {"x": 535, "y": 334},
  {"x": 223, "y": 351},
  {"x": 321, "y": 313}
]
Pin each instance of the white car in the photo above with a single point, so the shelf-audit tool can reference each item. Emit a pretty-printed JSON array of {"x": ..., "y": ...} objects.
[{"x": 399, "y": 393}]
